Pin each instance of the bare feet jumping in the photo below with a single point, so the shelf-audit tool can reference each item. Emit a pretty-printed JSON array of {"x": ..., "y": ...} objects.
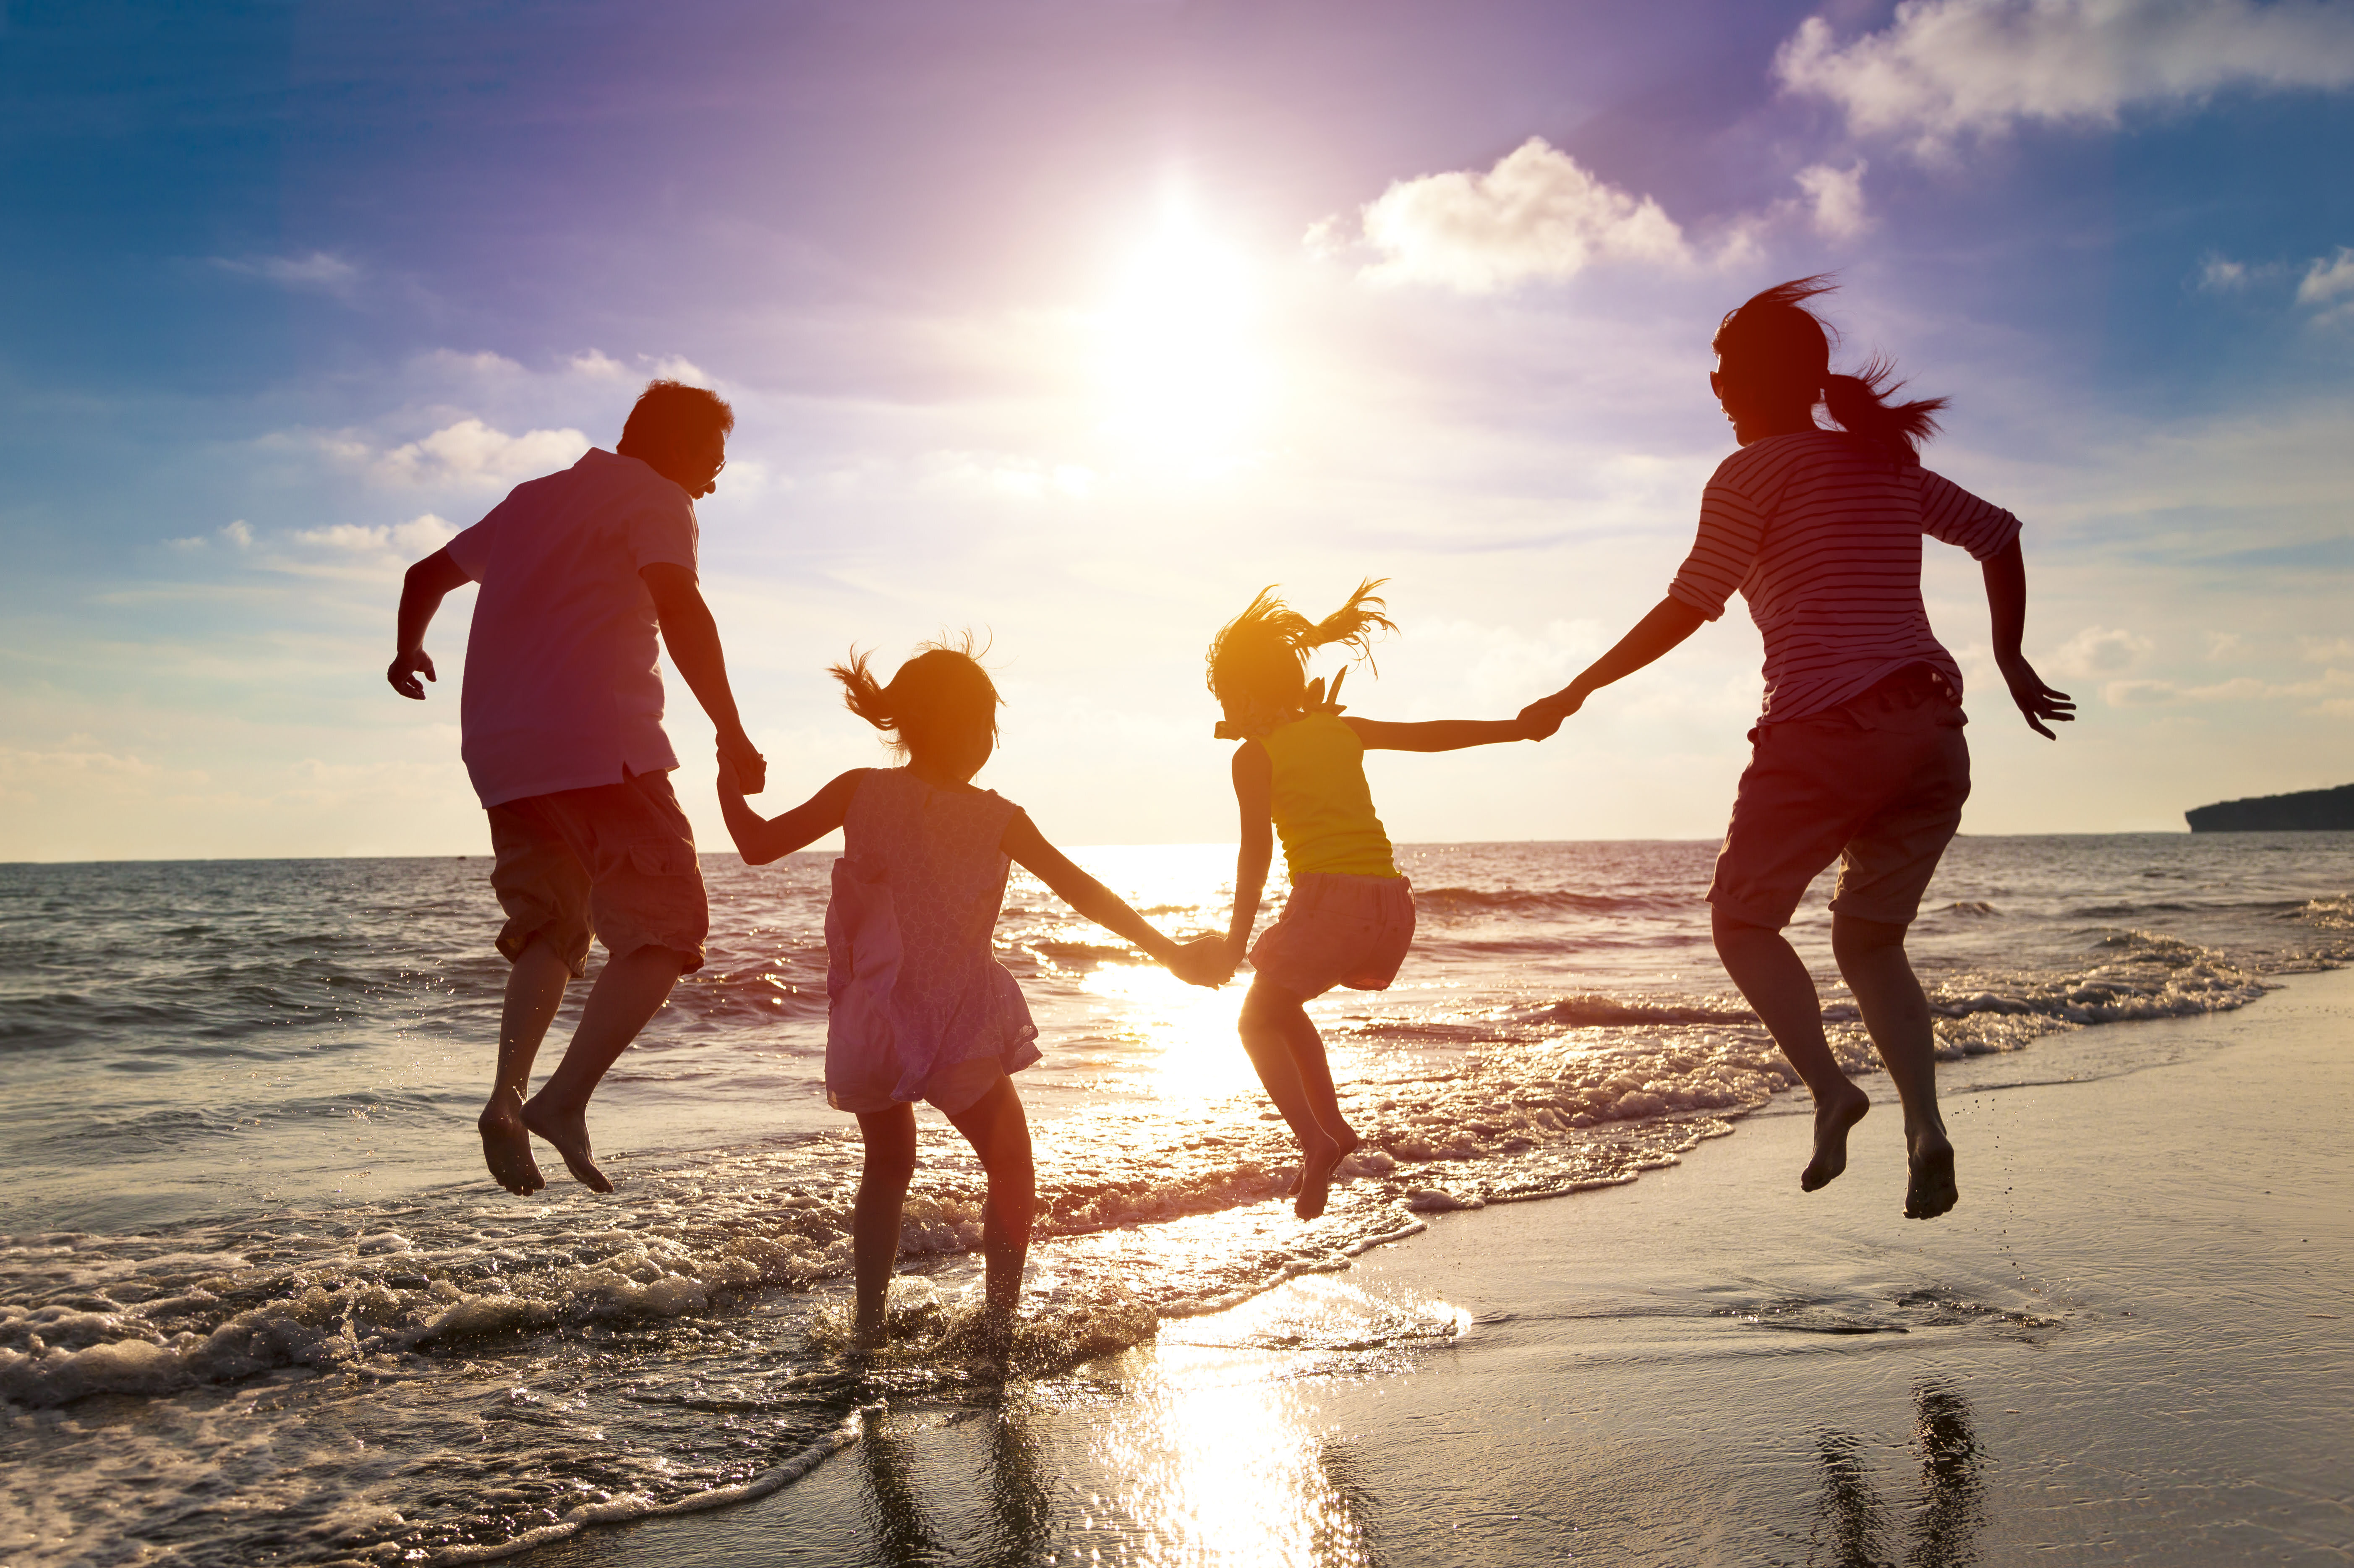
[
  {"x": 1930, "y": 1190},
  {"x": 506, "y": 1145},
  {"x": 567, "y": 1130},
  {"x": 1317, "y": 1163},
  {"x": 1833, "y": 1117}
]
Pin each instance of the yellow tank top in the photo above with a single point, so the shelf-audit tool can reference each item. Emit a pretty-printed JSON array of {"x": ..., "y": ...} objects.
[{"x": 1321, "y": 807}]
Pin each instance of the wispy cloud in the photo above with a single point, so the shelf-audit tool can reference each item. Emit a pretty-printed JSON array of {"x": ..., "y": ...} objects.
[
  {"x": 1943, "y": 69},
  {"x": 2329, "y": 284},
  {"x": 1835, "y": 197},
  {"x": 467, "y": 453},
  {"x": 1537, "y": 214},
  {"x": 321, "y": 270}
]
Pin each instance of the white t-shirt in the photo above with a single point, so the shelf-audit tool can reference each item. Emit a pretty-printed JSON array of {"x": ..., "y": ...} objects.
[
  {"x": 562, "y": 690},
  {"x": 1820, "y": 531}
]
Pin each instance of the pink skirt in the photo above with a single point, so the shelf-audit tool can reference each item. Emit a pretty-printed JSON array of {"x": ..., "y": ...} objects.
[{"x": 1338, "y": 929}]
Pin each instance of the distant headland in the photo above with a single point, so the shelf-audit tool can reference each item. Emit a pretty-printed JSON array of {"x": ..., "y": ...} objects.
[{"x": 2307, "y": 810}]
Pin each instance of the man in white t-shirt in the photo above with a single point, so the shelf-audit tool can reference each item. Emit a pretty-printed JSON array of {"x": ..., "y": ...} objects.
[{"x": 561, "y": 719}]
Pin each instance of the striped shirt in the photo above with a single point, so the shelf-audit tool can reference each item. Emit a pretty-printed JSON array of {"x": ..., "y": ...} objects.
[{"x": 1821, "y": 533}]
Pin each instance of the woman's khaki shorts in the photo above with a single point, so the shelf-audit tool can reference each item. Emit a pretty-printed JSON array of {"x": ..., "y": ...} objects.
[{"x": 1876, "y": 783}]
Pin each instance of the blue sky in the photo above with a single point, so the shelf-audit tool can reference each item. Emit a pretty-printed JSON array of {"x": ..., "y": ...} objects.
[{"x": 1079, "y": 321}]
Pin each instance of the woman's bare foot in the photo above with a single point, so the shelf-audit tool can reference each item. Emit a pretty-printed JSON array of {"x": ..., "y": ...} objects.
[
  {"x": 506, "y": 1145},
  {"x": 1930, "y": 1190},
  {"x": 1832, "y": 1119},
  {"x": 567, "y": 1130}
]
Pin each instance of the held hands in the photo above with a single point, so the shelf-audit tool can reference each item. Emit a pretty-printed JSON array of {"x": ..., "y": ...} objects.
[
  {"x": 1544, "y": 716},
  {"x": 1204, "y": 961},
  {"x": 741, "y": 767},
  {"x": 2037, "y": 701},
  {"x": 404, "y": 669}
]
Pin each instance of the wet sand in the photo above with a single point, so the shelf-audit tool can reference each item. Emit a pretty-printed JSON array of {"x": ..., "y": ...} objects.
[{"x": 2134, "y": 1343}]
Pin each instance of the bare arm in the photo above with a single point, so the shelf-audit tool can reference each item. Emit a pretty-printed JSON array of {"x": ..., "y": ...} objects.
[
  {"x": 760, "y": 840},
  {"x": 1091, "y": 898},
  {"x": 693, "y": 639},
  {"x": 428, "y": 582},
  {"x": 1254, "y": 773},
  {"x": 1443, "y": 734},
  {"x": 1668, "y": 623},
  {"x": 2005, "y": 591}
]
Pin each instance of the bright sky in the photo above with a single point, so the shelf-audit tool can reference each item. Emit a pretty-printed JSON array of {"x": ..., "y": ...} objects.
[{"x": 1078, "y": 321}]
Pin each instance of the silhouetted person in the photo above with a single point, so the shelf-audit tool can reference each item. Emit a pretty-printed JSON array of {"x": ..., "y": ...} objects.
[
  {"x": 561, "y": 719},
  {"x": 1300, "y": 773},
  {"x": 919, "y": 1007},
  {"x": 1859, "y": 755}
]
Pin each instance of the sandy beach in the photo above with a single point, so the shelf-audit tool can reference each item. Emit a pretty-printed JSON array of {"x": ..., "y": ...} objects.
[{"x": 2130, "y": 1344}]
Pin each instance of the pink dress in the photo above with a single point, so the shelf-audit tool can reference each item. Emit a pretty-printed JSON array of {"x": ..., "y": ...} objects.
[{"x": 918, "y": 1000}]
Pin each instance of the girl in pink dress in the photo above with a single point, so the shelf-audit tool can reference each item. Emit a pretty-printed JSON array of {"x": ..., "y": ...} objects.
[{"x": 920, "y": 1008}]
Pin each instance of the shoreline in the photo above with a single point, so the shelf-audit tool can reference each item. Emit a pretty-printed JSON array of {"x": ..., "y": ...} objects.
[{"x": 2120, "y": 1347}]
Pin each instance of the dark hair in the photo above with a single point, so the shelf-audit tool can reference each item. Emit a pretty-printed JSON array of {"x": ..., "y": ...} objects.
[
  {"x": 943, "y": 684},
  {"x": 1775, "y": 343},
  {"x": 1259, "y": 658},
  {"x": 670, "y": 414}
]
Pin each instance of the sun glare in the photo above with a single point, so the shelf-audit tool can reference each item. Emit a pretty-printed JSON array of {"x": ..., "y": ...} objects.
[{"x": 1184, "y": 376}]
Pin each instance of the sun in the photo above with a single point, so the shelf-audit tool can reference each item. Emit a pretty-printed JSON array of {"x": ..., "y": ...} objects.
[{"x": 1185, "y": 379}]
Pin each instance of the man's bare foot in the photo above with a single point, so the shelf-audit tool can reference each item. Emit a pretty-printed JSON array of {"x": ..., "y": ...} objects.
[
  {"x": 1832, "y": 1119},
  {"x": 866, "y": 1338},
  {"x": 569, "y": 1131},
  {"x": 1930, "y": 1190},
  {"x": 506, "y": 1146}
]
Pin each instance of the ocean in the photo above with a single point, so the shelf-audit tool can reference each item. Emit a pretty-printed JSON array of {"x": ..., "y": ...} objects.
[{"x": 258, "y": 1302}]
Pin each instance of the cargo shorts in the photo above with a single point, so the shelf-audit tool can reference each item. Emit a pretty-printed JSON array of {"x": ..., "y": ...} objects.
[
  {"x": 1876, "y": 784},
  {"x": 615, "y": 862}
]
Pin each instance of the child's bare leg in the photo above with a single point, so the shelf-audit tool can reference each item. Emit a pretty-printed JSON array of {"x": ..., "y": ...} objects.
[
  {"x": 998, "y": 1132},
  {"x": 628, "y": 990},
  {"x": 1871, "y": 958},
  {"x": 535, "y": 990},
  {"x": 1767, "y": 970},
  {"x": 890, "y": 1139},
  {"x": 1290, "y": 1057}
]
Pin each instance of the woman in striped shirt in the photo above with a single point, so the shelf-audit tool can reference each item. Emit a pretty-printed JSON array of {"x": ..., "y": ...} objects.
[{"x": 1858, "y": 754}]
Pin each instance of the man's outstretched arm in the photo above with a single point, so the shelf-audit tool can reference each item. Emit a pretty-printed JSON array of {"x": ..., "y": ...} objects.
[
  {"x": 693, "y": 639},
  {"x": 428, "y": 582}
]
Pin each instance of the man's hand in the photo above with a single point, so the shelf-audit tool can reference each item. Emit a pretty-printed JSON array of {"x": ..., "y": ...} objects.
[
  {"x": 1544, "y": 716},
  {"x": 405, "y": 669},
  {"x": 741, "y": 763},
  {"x": 2037, "y": 701}
]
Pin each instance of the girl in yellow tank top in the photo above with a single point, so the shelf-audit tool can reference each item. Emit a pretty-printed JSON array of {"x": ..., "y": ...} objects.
[{"x": 1300, "y": 773}]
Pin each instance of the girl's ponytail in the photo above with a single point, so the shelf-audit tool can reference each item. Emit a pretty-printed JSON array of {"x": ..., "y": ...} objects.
[
  {"x": 1352, "y": 624},
  {"x": 943, "y": 685},
  {"x": 862, "y": 693},
  {"x": 1861, "y": 404}
]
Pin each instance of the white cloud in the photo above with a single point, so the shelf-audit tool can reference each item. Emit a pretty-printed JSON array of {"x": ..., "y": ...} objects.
[
  {"x": 1838, "y": 198},
  {"x": 677, "y": 367},
  {"x": 235, "y": 533},
  {"x": 1943, "y": 67},
  {"x": 472, "y": 453},
  {"x": 1536, "y": 215},
  {"x": 2096, "y": 651},
  {"x": 2219, "y": 275},
  {"x": 421, "y": 535},
  {"x": 597, "y": 364},
  {"x": 321, "y": 269},
  {"x": 2327, "y": 281}
]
